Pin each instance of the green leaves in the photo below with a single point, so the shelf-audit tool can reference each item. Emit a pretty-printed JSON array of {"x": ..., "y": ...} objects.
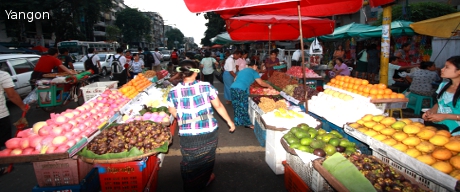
[
  {"x": 133, "y": 24},
  {"x": 418, "y": 11}
]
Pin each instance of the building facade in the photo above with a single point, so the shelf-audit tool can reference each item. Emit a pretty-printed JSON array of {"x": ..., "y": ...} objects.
[{"x": 157, "y": 31}]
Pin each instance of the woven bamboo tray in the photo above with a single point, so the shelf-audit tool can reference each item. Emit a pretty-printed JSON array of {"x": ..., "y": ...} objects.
[
  {"x": 120, "y": 160},
  {"x": 53, "y": 75}
]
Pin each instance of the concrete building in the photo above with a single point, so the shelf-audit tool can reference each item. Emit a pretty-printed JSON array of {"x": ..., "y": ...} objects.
[
  {"x": 106, "y": 19},
  {"x": 157, "y": 31}
]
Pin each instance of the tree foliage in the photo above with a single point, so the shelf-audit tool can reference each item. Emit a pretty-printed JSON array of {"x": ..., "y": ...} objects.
[
  {"x": 174, "y": 35},
  {"x": 112, "y": 33},
  {"x": 216, "y": 25},
  {"x": 418, "y": 11},
  {"x": 133, "y": 24}
]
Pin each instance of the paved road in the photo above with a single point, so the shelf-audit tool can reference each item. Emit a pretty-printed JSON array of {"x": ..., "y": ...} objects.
[{"x": 240, "y": 161}]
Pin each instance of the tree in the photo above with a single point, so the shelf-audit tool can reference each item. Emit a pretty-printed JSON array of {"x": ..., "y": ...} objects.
[
  {"x": 174, "y": 35},
  {"x": 418, "y": 11},
  {"x": 112, "y": 33},
  {"x": 216, "y": 25},
  {"x": 134, "y": 25}
]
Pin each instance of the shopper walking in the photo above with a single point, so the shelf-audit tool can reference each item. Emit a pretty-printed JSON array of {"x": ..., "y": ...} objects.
[
  {"x": 158, "y": 57},
  {"x": 240, "y": 94},
  {"x": 191, "y": 102},
  {"x": 208, "y": 64},
  {"x": 230, "y": 74}
]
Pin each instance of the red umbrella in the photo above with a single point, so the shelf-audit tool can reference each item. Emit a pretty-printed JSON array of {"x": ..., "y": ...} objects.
[
  {"x": 276, "y": 27},
  {"x": 40, "y": 48},
  {"x": 311, "y": 8}
]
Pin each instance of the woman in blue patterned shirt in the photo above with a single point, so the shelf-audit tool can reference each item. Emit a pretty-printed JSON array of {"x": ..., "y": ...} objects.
[{"x": 191, "y": 102}]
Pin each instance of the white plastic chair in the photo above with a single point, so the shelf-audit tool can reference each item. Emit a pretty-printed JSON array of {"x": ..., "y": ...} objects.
[{"x": 350, "y": 68}]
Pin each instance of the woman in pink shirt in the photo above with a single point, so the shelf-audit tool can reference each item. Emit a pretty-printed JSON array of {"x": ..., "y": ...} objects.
[
  {"x": 340, "y": 68},
  {"x": 241, "y": 63}
]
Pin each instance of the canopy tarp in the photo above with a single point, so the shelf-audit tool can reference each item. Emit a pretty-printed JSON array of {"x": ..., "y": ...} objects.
[
  {"x": 444, "y": 26},
  {"x": 346, "y": 31},
  {"x": 224, "y": 38},
  {"x": 310, "y": 8},
  {"x": 398, "y": 28},
  {"x": 6, "y": 50},
  {"x": 276, "y": 27}
]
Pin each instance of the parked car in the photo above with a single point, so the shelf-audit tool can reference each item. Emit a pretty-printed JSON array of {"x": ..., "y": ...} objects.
[
  {"x": 166, "y": 55},
  {"x": 20, "y": 67},
  {"x": 104, "y": 59}
]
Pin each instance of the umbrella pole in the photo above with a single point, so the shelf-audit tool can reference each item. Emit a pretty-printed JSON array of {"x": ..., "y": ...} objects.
[{"x": 303, "y": 56}]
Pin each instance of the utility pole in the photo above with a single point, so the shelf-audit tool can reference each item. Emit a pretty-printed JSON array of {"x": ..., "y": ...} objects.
[{"x": 385, "y": 45}]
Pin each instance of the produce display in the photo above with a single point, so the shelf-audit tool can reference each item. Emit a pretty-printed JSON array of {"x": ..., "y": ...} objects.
[
  {"x": 144, "y": 135},
  {"x": 280, "y": 80},
  {"x": 162, "y": 74},
  {"x": 256, "y": 99},
  {"x": 150, "y": 73},
  {"x": 341, "y": 108},
  {"x": 262, "y": 91},
  {"x": 318, "y": 142},
  {"x": 64, "y": 130},
  {"x": 382, "y": 176},
  {"x": 436, "y": 148},
  {"x": 268, "y": 105},
  {"x": 136, "y": 85},
  {"x": 282, "y": 118},
  {"x": 159, "y": 115},
  {"x": 296, "y": 71},
  {"x": 362, "y": 87}
]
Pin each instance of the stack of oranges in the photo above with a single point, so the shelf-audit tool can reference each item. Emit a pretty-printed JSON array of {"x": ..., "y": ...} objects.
[
  {"x": 136, "y": 85},
  {"x": 362, "y": 87}
]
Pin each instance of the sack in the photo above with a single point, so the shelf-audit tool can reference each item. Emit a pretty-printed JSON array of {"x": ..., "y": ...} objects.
[
  {"x": 149, "y": 60},
  {"x": 89, "y": 64},
  {"x": 174, "y": 55}
]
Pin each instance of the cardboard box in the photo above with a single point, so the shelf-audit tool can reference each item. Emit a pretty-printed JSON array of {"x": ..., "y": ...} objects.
[{"x": 61, "y": 172}]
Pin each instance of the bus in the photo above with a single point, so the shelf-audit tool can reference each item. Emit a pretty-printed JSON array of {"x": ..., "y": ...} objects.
[{"x": 78, "y": 49}]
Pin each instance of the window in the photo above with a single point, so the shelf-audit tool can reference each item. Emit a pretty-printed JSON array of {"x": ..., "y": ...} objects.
[
  {"x": 4, "y": 67},
  {"x": 33, "y": 60},
  {"x": 21, "y": 66}
]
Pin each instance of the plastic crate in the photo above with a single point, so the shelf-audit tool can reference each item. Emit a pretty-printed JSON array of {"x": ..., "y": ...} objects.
[
  {"x": 93, "y": 89},
  {"x": 308, "y": 174},
  {"x": 363, "y": 147},
  {"x": 129, "y": 176},
  {"x": 418, "y": 178},
  {"x": 252, "y": 115},
  {"x": 61, "y": 172},
  {"x": 274, "y": 151},
  {"x": 260, "y": 131},
  {"x": 292, "y": 181},
  {"x": 89, "y": 184},
  {"x": 153, "y": 180}
]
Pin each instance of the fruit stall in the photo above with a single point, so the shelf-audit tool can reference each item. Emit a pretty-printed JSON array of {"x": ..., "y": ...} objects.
[
  {"x": 115, "y": 133},
  {"x": 348, "y": 131}
]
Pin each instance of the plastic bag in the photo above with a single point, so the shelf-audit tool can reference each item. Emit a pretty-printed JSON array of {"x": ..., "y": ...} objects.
[
  {"x": 31, "y": 98},
  {"x": 315, "y": 47}
]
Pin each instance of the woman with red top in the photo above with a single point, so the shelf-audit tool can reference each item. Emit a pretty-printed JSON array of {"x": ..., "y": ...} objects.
[{"x": 46, "y": 64}]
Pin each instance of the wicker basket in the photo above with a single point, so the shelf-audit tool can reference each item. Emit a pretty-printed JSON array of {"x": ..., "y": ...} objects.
[{"x": 53, "y": 75}]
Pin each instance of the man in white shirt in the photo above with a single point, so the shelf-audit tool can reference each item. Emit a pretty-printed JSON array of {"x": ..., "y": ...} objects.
[
  {"x": 230, "y": 74},
  {"x": 96, "y": 62},
  {"x": 392, "y": 67},
  {"x": 120, "y": 58},
  {"x": 157, "y": 55}
]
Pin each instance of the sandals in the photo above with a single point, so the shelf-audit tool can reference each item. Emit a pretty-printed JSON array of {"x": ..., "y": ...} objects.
[
  {"x": 249, "y": 127},
  {"x": 211, "y": 178}
]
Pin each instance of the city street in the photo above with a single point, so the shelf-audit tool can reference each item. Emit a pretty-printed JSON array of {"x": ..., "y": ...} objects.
[{"x": 240, "y": 161}]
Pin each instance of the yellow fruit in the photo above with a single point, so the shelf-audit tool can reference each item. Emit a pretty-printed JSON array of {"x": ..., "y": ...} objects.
[
  {"x": 431, "y": 128},
  {"x": 427, "y": 159},
  {"x": 418, "y": 124},
  {"x": 367, "y": 117},
  {"x": 455, "y": 161},
  {"x": 363, "y": 129},
  {"x": 425, "y": 146},
  {"x": 371, "y": 132},
  {"x": 407, "y": 121},
  {"x": 400, "y": 147},
  {"x": 426, "y": 134},
  {"x": 413, "y": 152},
  {"x": 388, "y": 131},
  {"x": 399, "y": 136},
  {"x": 378, "y": 127},
  {"x": 369, "y": 124},
  {"x": 387, "y": 121},
  {"x": 443, "y": 166},
  {"x": 378, "y": 118},
  {"x": 411, "y": 141},
  {"x": 361, "y": 122},
  {"x": 439, "y": 140},
  {"x": 453, "y": 145},
  {"x": 355, "y": 125},
  {"x": 444, "y": 132},
  {"x": 379, "y": 137},
  {"x": 398, "y": 125},
  {"x": 441, "y": 154},
  {"x": 455, "y": 172},
  {"x": 390, "y": 142},
  {"x": 411, "y": 129}
]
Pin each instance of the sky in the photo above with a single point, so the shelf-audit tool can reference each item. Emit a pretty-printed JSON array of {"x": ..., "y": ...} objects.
[{"x": 174, "y": 12}]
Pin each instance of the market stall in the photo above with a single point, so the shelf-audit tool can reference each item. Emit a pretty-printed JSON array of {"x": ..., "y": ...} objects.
[{"x": 92, "y": 147}]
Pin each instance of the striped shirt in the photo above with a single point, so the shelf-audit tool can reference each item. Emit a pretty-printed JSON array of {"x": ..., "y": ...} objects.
[
  {"x": 5, "y": 82},
  {"x": 192, "y": 100}
]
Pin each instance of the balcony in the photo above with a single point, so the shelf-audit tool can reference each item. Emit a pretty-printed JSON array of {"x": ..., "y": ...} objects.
[
  {"x": 99, "y": 33},
  {"x": 101, "y": 23}
]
